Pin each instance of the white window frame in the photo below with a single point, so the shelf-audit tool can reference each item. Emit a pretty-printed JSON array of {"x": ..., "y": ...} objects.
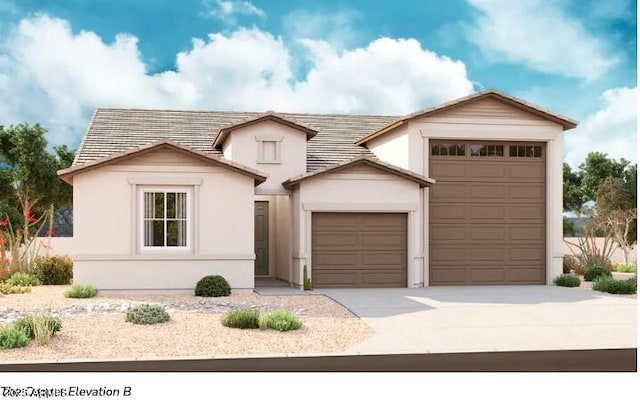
[
  {"x": 190, "y": 222},
  {"x": 261, "y": 139}
]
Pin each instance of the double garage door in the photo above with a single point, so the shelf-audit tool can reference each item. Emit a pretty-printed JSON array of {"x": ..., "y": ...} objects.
[
  {"x": 359, "y": 250},
  {"x": 487, "y": 221}
]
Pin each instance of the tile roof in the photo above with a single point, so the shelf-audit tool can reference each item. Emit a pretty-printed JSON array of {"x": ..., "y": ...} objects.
[{"x": 113, "y": 130}]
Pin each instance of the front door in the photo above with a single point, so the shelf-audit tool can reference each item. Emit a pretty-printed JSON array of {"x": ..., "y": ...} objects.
[{"x": 262, "y": 238}]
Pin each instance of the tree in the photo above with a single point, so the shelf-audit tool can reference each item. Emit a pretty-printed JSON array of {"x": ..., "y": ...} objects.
[
  {"x": 596, "y": 168},
  {"x": 28, "y": 171},
  {"x": 568, "y": 228},
  {"x": 573, "y": 198},
  {"x": 617, "y": 212}
]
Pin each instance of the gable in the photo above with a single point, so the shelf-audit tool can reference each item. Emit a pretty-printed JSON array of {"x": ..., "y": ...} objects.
[
  {"x": 164, "y": 157},
  {"x": 486, "y": 108}
]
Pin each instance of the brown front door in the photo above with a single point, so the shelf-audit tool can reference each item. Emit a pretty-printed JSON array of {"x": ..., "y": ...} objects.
[
  {"x": 358, "y": 250},
  {"x": 487, "y": 213},
  {"x": 262, "y": 238}
]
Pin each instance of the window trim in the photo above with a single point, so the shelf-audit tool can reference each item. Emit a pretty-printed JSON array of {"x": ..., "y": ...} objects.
[
  {"x": 261, "y": 139},
  {"x": 141, "y": 219}
]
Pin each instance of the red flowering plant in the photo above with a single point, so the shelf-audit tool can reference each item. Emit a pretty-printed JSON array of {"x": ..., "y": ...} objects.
[{"x": 18, "y": 247}]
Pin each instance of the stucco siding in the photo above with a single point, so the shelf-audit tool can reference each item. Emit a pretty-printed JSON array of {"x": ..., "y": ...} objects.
[
  {"x": 393, "y": 147},
  {"x": 283, "y": 234},
  {"x": 292, "y": 153},
  {"x": 107, "y": 228}
]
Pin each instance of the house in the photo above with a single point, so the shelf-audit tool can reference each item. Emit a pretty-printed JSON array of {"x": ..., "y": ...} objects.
[{"x": 465, "y": 193}]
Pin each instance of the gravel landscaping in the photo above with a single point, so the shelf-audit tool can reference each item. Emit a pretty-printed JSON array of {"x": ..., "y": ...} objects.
[{"x": 95, "y": 328}]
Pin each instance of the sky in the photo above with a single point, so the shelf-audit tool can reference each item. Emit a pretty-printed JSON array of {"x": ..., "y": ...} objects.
[{"x": 62, "y": 59}]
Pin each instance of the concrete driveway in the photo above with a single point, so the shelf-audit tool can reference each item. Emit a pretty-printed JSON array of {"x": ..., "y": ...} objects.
[{"x": 490, "y": 318}]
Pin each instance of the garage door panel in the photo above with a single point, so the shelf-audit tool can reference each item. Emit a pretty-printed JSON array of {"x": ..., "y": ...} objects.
[
  {"x": 481, "y": 274},
  {"x": 359, "y": 250},
  {"x": 487, "y": 216},
  {"x": 448, "y": 275},
  {"x": 384, "y": 240}
]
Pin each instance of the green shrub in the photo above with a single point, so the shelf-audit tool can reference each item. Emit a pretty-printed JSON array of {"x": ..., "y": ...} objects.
[
  {"x": 81, "y": 292},
  {"x": 625, "y": 268},
  {"x": 596, "y": 270},
  {"x": 307, "y": 284},
  {"x": 616, "y": 286},
  {"x": 12, "y": 337},
  {"x": 213, "y": 286},
  {"x": 23, "y": 279},
  {"x": 570, "y": 264},
  {"x": 567, "y": 280},
  {"x": 263, "y": 321},
  {"x": 54, "y": 270},
  {"x": 242, "y": 319},
  {"x": 9, "y": 289},
  {"x": 147, "y": 314},
  {"x": 29, "y": 323},
  {"x": 283, "y": 320}
]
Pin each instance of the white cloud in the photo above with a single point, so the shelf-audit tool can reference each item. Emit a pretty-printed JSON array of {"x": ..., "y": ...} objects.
[
  {"x": 58, "y": 78},
  {"x": 336, "y": 28},
  {"x": 612, "y": 129},
  {"x": 539, "y": 34},
  {"x": 228, "y": 11}
]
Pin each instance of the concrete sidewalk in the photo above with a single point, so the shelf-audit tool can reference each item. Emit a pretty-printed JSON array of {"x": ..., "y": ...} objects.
[{"x": 490, "y": 318}]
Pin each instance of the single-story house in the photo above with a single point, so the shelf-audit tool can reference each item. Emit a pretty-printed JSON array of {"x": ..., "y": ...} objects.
[{"x": 464, "y": 193}]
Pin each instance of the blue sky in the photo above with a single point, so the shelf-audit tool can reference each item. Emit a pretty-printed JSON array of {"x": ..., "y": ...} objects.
[{"x": 60, "y": 59}]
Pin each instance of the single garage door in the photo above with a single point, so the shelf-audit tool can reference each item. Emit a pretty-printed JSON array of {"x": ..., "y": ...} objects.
[
  {"x": 487, "y": 222},
  {"x": 359, "y": 250}
]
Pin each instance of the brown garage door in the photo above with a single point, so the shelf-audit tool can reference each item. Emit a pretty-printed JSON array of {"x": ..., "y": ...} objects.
[
  {"x": 487, "y": 213},
  {"x": 353, "y": 250}
]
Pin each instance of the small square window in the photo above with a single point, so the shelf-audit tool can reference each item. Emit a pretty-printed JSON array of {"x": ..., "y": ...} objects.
[
  {"x": 448, "y": 149},
  {"x": 269, "y": 150}
]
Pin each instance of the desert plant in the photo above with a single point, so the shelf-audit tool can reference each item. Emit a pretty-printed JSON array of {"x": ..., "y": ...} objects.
[
  {"x": 587, "y": 252},
  {"x": 625, "y": 268},
  {"x": 307, "y": 284},
  {"x": 263, "y": 321},
  {"x": 23, "y": 279},
  {"x": 81, "y": 292},
  {"x": 54, "y": 270},
  {"x": 570, "y": 264},
  {"x": 242, "y": 319},
  {"x": 567, "y": 280},
  {"x": 147, "y": 314},
  {"x": 213, "y": 286},
  {"x": 283, "y": 320},
  {"x": 43, "y": 329},
  {"x": 28, "y": 324},
  {"x": 595, "y": 270},
  {"x": 12, "y": 337},
  {"x": 9, "y": 289},
  {"x": 616, "y": 286}
]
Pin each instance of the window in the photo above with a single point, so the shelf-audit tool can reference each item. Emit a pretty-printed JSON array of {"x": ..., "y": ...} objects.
[
  {"x": 480, "y": 150},
  {"x": 269, "y": 150},
  {"x": 448, "y": 149},
  {"x": 525, "y": 151},
  {"x": 165, "y": 218}
]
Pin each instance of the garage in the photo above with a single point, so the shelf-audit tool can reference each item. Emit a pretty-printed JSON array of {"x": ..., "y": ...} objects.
[
  {"x": 359, "y": 250},
  {"x": 487, "y": 216}
]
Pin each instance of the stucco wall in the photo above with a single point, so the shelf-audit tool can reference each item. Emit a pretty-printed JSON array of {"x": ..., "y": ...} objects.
[
  {"x": 283, "y": 231},
  {"x": 293, "y": 153},
  {"x": 393, "y": 147},
  {"x": 107, "y": 239},
  {"x": 358, "y": 189}
]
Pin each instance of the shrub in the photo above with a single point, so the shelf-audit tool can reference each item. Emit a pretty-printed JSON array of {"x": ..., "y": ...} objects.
[
  {"x": 283, "y": 320},
  {"x": 213, "y": 286},
  {"x": 625, "y": 268},
  {"x": 44, "y": 328},
  {"x": 147, "y": 314},
  {"x": 54, "y": 270},
  {"x": 263, "y": 321},
  {"x": 307, "y": 284},
  {"x": 23, "y": 279},
  {"x": 9, "y": 289},
  {"x": 242, "y": 319},
  {"x": 29, "y": 323},
  {"x": 567, "y": 280},
  {"x": 609, "y": 285},
  {"x": 12, "y": 337},
  {"x": 595, "y": 270},
  {"x": 81, "y": 292},
  {"x": 570, "y": 264}
]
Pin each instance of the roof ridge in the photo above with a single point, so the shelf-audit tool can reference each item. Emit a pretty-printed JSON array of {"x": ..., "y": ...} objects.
[{"x": 257, "y": 113}]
